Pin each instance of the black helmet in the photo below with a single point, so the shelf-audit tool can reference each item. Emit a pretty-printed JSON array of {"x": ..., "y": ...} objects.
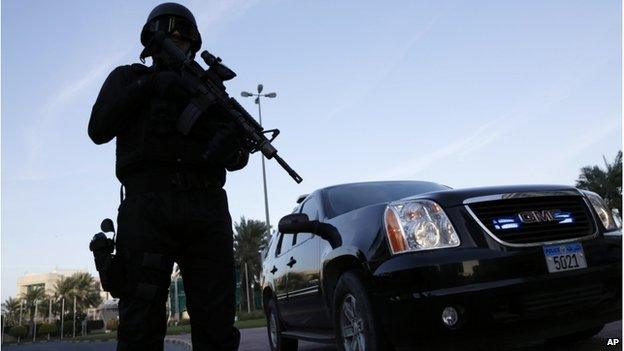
[{"x": 169, "y": 17}]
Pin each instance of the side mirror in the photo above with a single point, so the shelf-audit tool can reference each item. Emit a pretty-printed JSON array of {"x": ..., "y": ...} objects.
[
  {"x": 299, "y": 222},
  {"x": 107, "y": 226},
  {"x": 291, "y": 223}
]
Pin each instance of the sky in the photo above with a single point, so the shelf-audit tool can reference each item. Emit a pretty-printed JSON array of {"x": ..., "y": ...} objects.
[{"x": 463, "y": 93}]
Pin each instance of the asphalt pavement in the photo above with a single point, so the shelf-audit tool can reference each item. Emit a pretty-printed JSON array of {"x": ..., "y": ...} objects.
[
  {"x": 79, "y": 346},
  {"x": 256, "y": 339}
]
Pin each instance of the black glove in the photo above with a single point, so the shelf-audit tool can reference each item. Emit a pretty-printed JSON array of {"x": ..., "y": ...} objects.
[{"x": 224, "y": 145}]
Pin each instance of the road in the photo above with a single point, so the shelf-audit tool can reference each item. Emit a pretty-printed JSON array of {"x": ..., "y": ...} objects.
[
  {"x": 80, "y": 346},
  {"x": 256, "y": 340}
]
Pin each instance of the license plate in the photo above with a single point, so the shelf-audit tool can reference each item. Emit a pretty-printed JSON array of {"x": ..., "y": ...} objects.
[{"x": 565, "y": 257}]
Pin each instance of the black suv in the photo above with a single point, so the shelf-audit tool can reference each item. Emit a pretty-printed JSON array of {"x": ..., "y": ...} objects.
[{"x": 395, "y": 265}]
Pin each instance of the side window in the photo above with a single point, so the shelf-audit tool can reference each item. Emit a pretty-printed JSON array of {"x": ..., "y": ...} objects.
[
  {"x": 286, "y": 242},
  {"x": 311, "y": 208},
  {"x": 271, "y": 246}
]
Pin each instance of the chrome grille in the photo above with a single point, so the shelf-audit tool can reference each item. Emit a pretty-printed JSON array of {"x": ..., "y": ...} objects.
[{"x": 501, "y": 218}]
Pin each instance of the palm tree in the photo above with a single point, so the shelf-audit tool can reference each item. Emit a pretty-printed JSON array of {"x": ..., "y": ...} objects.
[
  {"x": 80, "y": 285},
  {"x": 11, "y": 309},
  {"x": 63, "y": 289},
  {"x": 607, "y": 183},
  {"x": 33, "y": 296},
  {"x": 249, "y": 240},
  {"x": 86, "y": 291}
]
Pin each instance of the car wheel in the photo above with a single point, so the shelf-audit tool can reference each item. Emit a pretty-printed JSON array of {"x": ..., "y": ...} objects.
[
  {"x": 355, "y": 322},
  {"x": 576, "y": 337},
  {"x": 274, "y": 329}
]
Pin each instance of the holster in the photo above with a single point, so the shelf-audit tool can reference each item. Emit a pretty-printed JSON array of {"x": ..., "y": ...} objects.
[
  {"x": 112, "y": 275},
  {"x": 110, "y": 267}
]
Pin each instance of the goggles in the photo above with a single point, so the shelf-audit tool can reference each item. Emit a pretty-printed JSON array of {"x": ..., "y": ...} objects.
[{"x": 170, "y": 24}]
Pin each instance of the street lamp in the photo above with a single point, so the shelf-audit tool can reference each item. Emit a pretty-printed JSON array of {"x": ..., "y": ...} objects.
[
  {"x": 177, "y": 298},
  {"x": 74, "y": 324},
  {"x": 35, "y": 322},
  {"x": 257, "y": 101},
  {"x": 62, "y": 317},
  {"x": 21, "y": 308}
]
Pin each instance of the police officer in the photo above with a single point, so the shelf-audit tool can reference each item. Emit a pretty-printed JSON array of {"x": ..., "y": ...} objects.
[{"x": 175, "y": 208}]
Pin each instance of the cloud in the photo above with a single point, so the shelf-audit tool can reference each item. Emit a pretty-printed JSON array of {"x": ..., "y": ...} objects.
[
  {"x": 74, "y": 88},
  {"x": 594, "y": 133},
  {"x": 481, "y": 137},
  {"x": 524, "y": 112},
  {"x": 359, "y": 91},
  {"x": 43, "y": 127},
  {"x": 210, "y": 14}
]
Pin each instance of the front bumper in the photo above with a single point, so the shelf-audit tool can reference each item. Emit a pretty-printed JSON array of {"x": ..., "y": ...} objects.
[{"x": 503, "y": 296}]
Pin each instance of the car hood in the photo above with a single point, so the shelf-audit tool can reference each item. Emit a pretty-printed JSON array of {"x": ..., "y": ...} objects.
[{"x": 457, "y": 197}]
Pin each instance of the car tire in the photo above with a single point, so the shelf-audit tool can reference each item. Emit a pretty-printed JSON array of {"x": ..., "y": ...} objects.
[
  {"x": 274, "y": 328},
  {"x": 355, "y": 320},
  {"x": 576, "y": 337}
]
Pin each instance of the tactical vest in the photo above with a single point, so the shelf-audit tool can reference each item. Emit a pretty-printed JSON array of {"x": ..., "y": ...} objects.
[{"x": 150, "y": 140}]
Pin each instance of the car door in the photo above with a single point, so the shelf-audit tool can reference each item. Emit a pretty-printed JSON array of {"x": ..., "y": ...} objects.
[
  {"x": 305, "y": 304},
  {"x": 278, "y": 269}
]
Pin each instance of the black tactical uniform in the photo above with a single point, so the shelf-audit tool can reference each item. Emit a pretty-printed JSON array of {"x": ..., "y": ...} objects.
[{"x": 175, "y": 209}]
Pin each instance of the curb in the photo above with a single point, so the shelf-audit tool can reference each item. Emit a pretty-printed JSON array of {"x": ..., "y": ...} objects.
[{"x": 186, "y": 344}]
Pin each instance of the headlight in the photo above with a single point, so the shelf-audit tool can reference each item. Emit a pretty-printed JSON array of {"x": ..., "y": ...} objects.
[
  {"x": 418, "y": 225},
  {"x": 602, "y": 210}
]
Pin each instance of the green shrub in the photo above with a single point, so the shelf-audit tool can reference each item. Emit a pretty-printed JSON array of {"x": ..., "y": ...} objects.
[
  {"x": 95, "y": 325},
  {"x": 38, "y": 328},
  {"x": 184, "y": 321},
  {"x": 67, "y": 327},
  {"x": 6, "y": 328},
  {"x": 259, "y": 314},
  {"x": 45, "y": 329},
  {"x": 18, "y": 331},
  {"x": 112, "y": 324}
]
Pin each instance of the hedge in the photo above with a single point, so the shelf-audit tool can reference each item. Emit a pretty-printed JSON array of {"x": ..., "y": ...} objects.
[
  {"x": 46, "y": 329},
  {"x": 95, "y": 325},
  {"x": 67, "y": 327},
  {"x": 259, "y": 314},
  {"x": 18, "y": 331}
]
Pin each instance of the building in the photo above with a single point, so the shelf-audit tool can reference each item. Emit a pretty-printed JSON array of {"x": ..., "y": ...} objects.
[
  {"x": 45, "y": 280},
  {"x": 48, "y": 281},
  {"x": 176, "y": 304}
]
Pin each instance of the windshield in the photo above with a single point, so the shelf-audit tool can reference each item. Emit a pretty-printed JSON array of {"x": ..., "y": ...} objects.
[{"x": 344, "y": 198}]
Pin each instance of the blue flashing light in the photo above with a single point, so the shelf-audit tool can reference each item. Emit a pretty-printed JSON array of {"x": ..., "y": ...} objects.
[
  {"x": 506, "y": 223},
  {"x": 564, "y": 217},
  {"x": 503, "y": 223}
]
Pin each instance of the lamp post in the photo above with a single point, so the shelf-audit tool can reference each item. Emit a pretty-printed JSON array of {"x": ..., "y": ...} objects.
[
  {"x": 257, "y": 101},
  {"x": 74, "y": 326},
  {"x": 177, "y": 298},
  {"x": 21, "y": 308},
  {"x": 35, "y": 322},
  {"x": 62, "y": 317}
]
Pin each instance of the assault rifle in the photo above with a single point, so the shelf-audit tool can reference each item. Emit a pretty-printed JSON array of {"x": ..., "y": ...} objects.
[{"x": 207, "y": 89}]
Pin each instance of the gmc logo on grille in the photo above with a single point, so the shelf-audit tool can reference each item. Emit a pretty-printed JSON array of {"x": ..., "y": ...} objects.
[{"x": 539, "y": 216}]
